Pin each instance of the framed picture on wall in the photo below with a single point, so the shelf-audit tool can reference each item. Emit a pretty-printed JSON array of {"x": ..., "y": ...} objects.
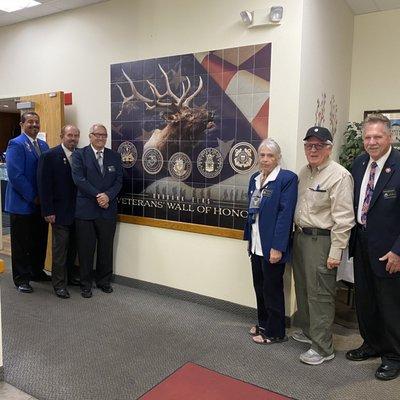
[{"x": 394, "y": 117}]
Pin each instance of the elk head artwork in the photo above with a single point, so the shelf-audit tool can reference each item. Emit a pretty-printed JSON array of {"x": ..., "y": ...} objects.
[{"x": 185, "y": 125}]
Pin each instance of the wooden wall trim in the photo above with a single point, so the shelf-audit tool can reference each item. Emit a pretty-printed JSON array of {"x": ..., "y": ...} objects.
[{"x": 182, "y": 226}]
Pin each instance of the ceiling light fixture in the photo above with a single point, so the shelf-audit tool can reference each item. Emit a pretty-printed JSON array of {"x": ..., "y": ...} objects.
[{"x": 16, "y": 5}]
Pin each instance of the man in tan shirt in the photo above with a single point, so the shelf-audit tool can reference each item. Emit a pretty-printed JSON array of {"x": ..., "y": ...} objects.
[{"x": 324, "y": 217}]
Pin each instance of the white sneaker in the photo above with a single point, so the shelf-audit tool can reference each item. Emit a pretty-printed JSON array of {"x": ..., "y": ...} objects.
[
  {"x": 313, "y": 358},
  {"x": 301, "y": 337}
]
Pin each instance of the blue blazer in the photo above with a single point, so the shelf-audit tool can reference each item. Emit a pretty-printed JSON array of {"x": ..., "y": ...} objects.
[
  {"x": 57, "y": 190},
  {"x": 88, "y": 178},
  {"x": 383, "y": 218},
  {"x": 22, "y": 162},
  {"x": 275, "y": 214}
]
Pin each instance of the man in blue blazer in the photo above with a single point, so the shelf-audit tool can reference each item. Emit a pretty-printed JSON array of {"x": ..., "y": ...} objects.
[
  {"x": 97, "y": 172},
  {"x": 28, "y": 228},
  {"x": 375, "y": 245},
  {"x": 57, "y": 193}
]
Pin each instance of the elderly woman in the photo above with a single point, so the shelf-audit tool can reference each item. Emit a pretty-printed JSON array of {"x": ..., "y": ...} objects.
[{"x": 272, "y": 201}]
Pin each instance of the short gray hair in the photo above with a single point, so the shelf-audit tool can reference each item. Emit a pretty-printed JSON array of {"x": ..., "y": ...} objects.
[
  {"x": 272, "y": 145},
  {"x": 94, "y": 126},
  {"x": 376, "y": 118}
]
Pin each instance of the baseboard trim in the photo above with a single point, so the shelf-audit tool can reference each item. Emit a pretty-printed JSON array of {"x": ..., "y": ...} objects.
[{"x": 180, "y": 294}]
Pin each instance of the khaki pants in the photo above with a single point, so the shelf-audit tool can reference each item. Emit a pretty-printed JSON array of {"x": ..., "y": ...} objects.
[{"x": 315, "y": 290}]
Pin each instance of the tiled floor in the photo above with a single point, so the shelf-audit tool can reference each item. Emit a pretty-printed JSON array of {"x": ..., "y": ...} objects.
[{"x": 8, "y": 392}]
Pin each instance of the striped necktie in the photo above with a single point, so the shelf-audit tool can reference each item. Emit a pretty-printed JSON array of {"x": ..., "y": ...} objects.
[
  {"x": 99, "y": 156},
  {"x": 368, "y": 193},
  {"x": 36, "y": 147}
]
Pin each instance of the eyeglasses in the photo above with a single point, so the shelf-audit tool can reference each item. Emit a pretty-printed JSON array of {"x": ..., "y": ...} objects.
[
  {"x": 100, "y": 135},
  {"x": 316, "y": 146}
]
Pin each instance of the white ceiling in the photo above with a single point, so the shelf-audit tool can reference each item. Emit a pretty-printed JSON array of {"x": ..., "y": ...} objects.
[
  {"x": 54, "y": 6},
  {"x": 48, "y": 7},
  {"x": 369, "y": 6}
]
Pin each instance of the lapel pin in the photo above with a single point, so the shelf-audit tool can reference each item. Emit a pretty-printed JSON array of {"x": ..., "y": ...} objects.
[
  {"x": 388, "y": 170},
  {"x": 65, "y": 160}
]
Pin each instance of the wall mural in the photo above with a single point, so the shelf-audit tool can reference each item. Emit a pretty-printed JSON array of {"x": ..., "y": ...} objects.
[{"x": 187, "y": 128}]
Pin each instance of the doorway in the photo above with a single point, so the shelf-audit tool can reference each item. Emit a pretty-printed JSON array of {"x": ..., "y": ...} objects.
[{"x": 9, "y": 128}]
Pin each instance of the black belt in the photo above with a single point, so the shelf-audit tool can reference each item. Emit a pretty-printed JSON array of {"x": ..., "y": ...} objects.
[{"x": 313, "y": 231}]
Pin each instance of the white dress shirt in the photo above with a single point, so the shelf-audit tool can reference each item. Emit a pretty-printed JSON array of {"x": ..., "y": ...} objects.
[
  {"x": 67, "y": 152},
  {"x": 380, "y": 163}
]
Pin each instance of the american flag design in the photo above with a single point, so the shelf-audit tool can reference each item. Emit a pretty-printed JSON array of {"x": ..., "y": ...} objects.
[{"x": 232, "y": 87}]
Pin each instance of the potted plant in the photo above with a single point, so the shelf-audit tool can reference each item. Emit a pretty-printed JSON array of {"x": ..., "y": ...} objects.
[{"x": 353, "y": 144}]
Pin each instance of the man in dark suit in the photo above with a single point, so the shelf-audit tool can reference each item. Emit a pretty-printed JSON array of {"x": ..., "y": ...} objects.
[
  {"x": 375, "y": 245},
  {"x": 57, "y": 193},
  {"x": 28, "y": 228},
  {"x": 97, "y": 172}
]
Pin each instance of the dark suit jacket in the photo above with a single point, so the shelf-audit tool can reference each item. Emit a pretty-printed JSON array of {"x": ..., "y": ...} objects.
[
  {"x": 57, "y": 190},
  {"x": 275, "y": 214},
  {"x": 22, "y": 162},
  {"x": 383, "y": 218},
  {"x": 90, "y": 182}
]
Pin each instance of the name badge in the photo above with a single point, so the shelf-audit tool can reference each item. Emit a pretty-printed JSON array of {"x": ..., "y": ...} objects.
[
  {"x": 389, "y": 194},
  {"x": 267, "y": 193},
  {"x": 111, "y": 168}
]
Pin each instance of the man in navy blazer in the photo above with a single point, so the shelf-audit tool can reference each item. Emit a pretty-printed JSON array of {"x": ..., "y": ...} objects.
[
  {"x": 28, "y": 228},
  {"x": 97, "y": 172},
  {"x": 57, "y": 193},
  {"x": 375, "y": 245}
]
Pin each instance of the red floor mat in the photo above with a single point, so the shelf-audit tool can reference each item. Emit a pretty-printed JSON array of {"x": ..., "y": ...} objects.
[{"x": 193, "y": 382}]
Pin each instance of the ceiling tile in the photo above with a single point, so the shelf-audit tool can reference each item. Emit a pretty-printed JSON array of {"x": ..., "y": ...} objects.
[{"x": 48, "y": 7}]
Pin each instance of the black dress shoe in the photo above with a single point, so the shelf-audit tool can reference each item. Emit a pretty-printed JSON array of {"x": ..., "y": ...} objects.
[
  {"x": 25, "y": 288},
  {"x": 86, "y": 293},
  {"x": 41, "y": 277},
  {"x": 107, "y": 288},
  {"x": 387, "y": 372},
  {"x": 62, "y": 293},
  {"x": 74, "y": 282},
  {"x": 361, "y": 354}
]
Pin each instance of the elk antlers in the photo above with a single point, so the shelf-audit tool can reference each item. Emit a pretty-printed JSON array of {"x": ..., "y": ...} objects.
[{"x": 158, "y": 98}]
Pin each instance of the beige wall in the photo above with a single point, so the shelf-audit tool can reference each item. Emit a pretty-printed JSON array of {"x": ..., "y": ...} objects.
[
  {"x": 375, "y": 78},
  {"x": 326, "y": 51},
  {"x": 72, "y": 51}
]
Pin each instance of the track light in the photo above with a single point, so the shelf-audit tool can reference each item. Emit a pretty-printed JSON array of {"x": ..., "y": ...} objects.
[
  {"x": 270, "y": 16},
  {"x": 276, "y": 14},
  {"x": 247, "y": 17}
]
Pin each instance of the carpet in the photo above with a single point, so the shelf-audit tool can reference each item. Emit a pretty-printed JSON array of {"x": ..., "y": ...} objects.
[
  {"x": 193, "y": 382},
  {"x": 118, "y": 346}
]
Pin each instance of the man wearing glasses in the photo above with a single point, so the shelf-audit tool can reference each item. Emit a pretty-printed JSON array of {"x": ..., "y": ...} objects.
[
  {"x": 324, "y": 217},
  {"x": 97, "y": 172}
]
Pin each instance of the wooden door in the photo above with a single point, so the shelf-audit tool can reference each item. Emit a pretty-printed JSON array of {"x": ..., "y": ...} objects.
[{"x": 50, "y": 107}]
